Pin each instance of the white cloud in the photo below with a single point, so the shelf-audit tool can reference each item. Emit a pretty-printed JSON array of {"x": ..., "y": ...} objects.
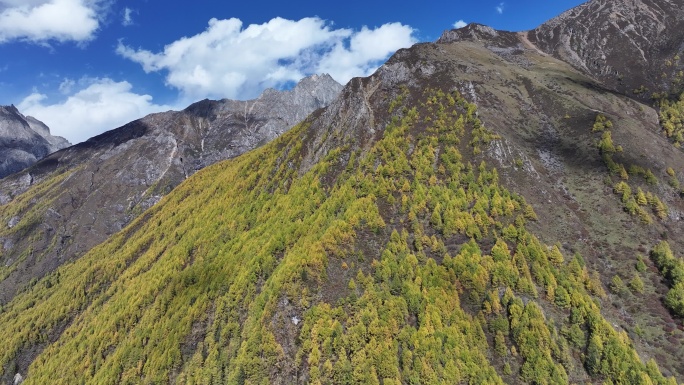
[
  {"x": 46, "y": 20},
  {"x": 101, "y": 105},
  {"x": 227, "y": 60},
  {"x": 66, "y": 86},
  {"x": 460, "y": 24},
  {"x": 127, "y": 17},
  {"x": 500, "y": 8},
  {"x": 366, "y": 51}
]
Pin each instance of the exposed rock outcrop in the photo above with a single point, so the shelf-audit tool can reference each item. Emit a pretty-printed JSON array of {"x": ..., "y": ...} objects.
[
  {"x": 24, "y": 140},
  {"x": 625, "y": 44}
]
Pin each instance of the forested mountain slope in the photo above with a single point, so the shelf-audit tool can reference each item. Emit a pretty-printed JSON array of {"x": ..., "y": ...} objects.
[
  {"x": 75, "y": 199},
  {"x": 555, "y": 151},
  {"x": 477, "y": 211}
]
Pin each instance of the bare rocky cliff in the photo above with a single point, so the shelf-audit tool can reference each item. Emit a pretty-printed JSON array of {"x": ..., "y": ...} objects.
[
  {"x": 76, "y": 198},
  {"x": 24, "y": 140},
  {"x": 631, "y": 46}
]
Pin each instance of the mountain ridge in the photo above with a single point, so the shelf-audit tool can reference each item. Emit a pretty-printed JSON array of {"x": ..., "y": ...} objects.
[
  {"x": 637, "y": 43},
  {"x": 100, "y": 185}
]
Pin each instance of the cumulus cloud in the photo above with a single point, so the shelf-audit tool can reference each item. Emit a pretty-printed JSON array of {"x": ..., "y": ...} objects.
[
  {"x": 49, "y": 20},
  {"x": 365, "y": 52},
  {"x": 100, "y": 105},
  {"x": 127, "y": 19},
  {"x": 460, "y": 24},
  {"x": 500, "y": 8},
  {"x": 227, "y": 60}
]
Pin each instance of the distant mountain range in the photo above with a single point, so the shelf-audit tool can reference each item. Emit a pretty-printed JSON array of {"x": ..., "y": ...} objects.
[
  {"x": 24, "y": 140},
  {"x": 495, "y": 207},
  {"x": 97, "y": 187}
]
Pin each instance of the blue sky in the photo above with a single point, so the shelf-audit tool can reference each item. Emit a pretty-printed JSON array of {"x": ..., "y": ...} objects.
[{"x": 86, "y": 66}]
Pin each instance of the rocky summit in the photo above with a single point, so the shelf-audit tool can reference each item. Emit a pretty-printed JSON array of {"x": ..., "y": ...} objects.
[
  {"x": 24, "y": 140},
  {"x": 630, "y": 45},
  {"x": 490, "y": 208}
]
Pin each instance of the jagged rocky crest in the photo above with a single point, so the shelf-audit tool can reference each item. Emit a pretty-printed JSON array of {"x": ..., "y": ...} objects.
[{"x": 24, "y": 140}]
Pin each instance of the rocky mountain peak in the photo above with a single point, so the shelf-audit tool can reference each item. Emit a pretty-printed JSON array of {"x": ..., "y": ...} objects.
[
  {"x": 627, "y": 44},
  {"x": 318, "y": 82},
  {"x": 24, "y": 140},
  {"x": 11, "y": 109},
  {"x": 472, "y": 31},
  {"x": 634, "y": 47},
  {"x": 483, "y": 34},
  {"x": 313, "y": 91}
]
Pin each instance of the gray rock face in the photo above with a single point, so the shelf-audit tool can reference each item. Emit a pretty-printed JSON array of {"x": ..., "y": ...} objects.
[
  {"x": 227, "y": 128},
  {"x": 625, "y": 44},
  {"x": 24, "y": 140},
  {"x": 80, "y": 196},
  {"x": 472, "y": 31}
]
